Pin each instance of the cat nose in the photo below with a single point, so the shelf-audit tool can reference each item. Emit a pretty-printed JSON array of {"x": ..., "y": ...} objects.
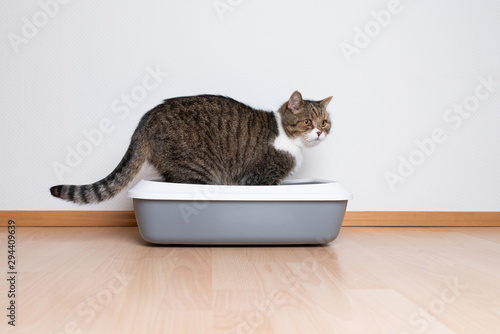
[{"x": 319, "y": 133}]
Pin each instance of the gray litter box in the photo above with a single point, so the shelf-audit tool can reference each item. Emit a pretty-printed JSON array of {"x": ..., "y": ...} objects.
[{"x": 296, "y": 212}]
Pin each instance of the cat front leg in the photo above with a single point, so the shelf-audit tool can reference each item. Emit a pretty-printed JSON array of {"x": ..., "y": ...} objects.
[
  {"x": 272, "y": 171},
  {"x": 261, "y": 180}
]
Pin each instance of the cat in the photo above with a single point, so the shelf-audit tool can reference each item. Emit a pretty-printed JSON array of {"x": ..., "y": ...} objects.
[{"x": 211, "y": 139}]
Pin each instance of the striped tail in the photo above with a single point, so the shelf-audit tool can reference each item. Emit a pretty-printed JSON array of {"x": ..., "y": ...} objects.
[{"x": 127, "y": 169}]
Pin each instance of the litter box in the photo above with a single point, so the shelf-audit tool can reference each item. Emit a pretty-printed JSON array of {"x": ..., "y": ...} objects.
[{"x": 295, "y": 212}]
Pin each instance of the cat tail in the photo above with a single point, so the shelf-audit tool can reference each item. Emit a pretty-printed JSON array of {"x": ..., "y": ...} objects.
[{"x": 131, "y": 163}]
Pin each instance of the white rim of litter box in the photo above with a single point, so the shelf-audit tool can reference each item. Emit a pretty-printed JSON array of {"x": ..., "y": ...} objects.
[{"x": 290, "y": 190}]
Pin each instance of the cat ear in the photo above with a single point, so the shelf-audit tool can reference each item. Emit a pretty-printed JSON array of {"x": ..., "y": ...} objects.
[
  {"x": 295, "y": 102},
  {"x": 325, "y": 102}
]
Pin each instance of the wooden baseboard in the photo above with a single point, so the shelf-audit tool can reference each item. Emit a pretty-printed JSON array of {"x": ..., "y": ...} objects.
[
  {"x": 421, "y": 218},
  {"x": 69, "y": 218},
  {"x": 352, "y": 218}
]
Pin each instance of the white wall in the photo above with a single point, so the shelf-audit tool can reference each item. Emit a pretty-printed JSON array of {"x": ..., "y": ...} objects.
[{"x": 399, "y": 86}]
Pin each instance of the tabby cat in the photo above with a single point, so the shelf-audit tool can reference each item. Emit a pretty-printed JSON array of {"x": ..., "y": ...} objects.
[{"x": 210, "y": 139}]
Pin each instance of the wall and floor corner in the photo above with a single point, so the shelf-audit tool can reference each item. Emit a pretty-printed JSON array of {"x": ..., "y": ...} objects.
[
  {"x": 352, "y": 218},
  {"x": 416, "y": 89}
]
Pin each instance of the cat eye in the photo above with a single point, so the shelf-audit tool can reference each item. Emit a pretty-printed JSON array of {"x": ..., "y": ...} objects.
[
  {"x": 323, "y": 123},
  {"x": 307, "y": 122}
]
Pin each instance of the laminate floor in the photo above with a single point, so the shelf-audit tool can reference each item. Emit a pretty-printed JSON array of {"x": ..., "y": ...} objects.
[{"x": 369, "y": 280}]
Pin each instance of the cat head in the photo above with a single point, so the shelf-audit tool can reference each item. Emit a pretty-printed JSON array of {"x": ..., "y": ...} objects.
[{"x": 307, "y": 121}]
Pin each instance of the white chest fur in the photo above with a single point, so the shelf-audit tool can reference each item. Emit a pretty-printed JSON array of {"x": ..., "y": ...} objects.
[{"x": 289, "y": 145}]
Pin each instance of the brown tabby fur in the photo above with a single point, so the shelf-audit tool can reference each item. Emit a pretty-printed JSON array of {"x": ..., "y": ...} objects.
[{"x": 208, "y": 139}]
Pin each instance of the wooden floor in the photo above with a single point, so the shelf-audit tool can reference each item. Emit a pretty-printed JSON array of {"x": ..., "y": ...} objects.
[{"x": 369, "y": 280}]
